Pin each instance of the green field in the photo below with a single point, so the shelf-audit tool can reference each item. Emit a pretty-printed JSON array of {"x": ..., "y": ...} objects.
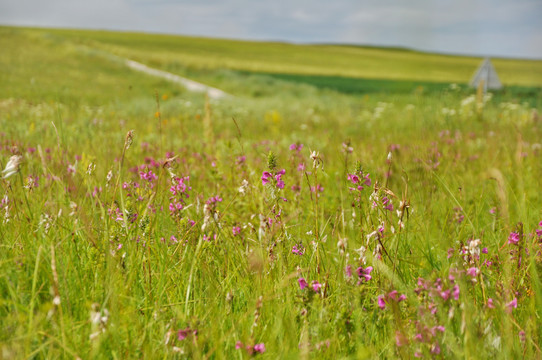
[{"x": 407, "y": 225}]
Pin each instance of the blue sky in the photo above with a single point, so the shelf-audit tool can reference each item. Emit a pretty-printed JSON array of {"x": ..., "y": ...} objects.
[{"x": 508, "y": 28}]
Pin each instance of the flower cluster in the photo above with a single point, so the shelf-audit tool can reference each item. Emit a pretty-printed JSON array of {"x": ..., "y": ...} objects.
[
  {"x": 298, "y": 249},
  {"x": 315, "y": 285},
  {"x": 184, "y": 333},
  {"x": 513, "y": 238},
  {"x": 273, "y": 179},
  {"x": 364, "y": 274},
  {"x": 391, "y": 296},
  {"x": 179, "y": 193},
  {"x": 359, "y": 181},
  {"x": 256, "y": 349}
]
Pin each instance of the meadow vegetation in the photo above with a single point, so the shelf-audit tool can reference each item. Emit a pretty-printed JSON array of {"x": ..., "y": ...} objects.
[{"x": 325, "y": 209}]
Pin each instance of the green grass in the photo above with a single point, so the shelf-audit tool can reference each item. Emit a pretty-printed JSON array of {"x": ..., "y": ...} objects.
[{"x": 93, "y": 266}]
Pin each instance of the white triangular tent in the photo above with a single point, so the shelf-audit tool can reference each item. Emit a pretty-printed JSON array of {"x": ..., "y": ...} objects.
[{"x": 486, "y": 73}]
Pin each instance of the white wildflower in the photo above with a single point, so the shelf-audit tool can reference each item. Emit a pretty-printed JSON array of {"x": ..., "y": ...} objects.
[
  {"x": 4, "y": 204},
  {"x": 109, "y": 176},
  {"x": 243, "y": 188},
  {"x": 12, "y": 166},
  {"x": 361, "y": 252},
  {"x": 90, "y": 168}
]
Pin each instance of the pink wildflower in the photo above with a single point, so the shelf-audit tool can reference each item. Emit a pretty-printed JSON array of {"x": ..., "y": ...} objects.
[
  {"x": 348, "y": 270},
  {"x": 513, "y": 238},
  {"x": 353, "y": 178},
  {"x": 512, "y": 305},
  {"x": 316, "y": 286},
  {"x": 455, "y": 292},
  {"x": 302, "y": 283},
  {"x": 298, "y": 249},
  {"x": 259, "y": 348},
  {"x": 381, "y": 302},
  {"x": 364, "y": 274},
  {"x": 490, "y": 304},
  {"x": 472, "y": 272},
  {"x": 266, "y": 175}
]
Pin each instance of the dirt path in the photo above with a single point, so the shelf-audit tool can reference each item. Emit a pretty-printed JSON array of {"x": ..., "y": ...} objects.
[{"x": 190, "y": 85}]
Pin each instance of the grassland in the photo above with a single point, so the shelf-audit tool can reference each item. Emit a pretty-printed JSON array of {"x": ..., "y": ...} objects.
[{"x": 179, "y": 239}]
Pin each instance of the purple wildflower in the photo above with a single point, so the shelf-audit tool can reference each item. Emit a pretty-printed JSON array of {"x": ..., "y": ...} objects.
[
  {"x": 381, "y": 302},
  {"x": 316, "y": 286},
  {"x": 364, "y": 274},
  {"x": 512, "y": 305},
  {"x": 513, "y": 238}
]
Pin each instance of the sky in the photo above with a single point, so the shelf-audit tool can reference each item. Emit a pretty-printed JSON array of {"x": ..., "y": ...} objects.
[{"x": 498, "y": 28}]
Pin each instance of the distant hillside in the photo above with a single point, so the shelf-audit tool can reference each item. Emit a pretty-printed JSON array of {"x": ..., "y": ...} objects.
[{"x": 171, "y": 52}]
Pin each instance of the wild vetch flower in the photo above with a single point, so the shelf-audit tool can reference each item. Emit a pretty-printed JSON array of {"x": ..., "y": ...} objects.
[
  {"x": 348, "y": 271},
  {"x": 213, "y": 200},
  {"x": 387, "y": 203},
  {"x": 472, "y": 272},
  {"x": 12, "y": 166},
  {"x": 539, "y": 232},
  {"x": 353, "y": 178},
  {"x": 236, "y": 230},
  {"x": 490, "y": 303},
  {"x": 316, "y": 189},
  {"x": 316, "y": 286},
  {"x": 298, "y": 249},
  {"x": 381, "y": 302},
  {"x": 364, "y": 274},
  {"x": 455, "y": 292},
  {"x": 302, "y": 283},
  {"x": 240, "y": 160},
  {"x": 512, "y": 305},
  {"x": 346, "y": 148},
  {"x": 445, "y": 295},
  {"x": 439, "y": 328},
  {"x": 184, "y": 333},
  {"x": 238, "y": 344},
  {"x": 259, "y": 348},
  {"x": 296, "y": 146},
  {"x": 268, "y": 177},
  {"x": 513, "y": 238},
  {"x": 278, "y": 178},
  {"x": 393, "y": 295}
]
